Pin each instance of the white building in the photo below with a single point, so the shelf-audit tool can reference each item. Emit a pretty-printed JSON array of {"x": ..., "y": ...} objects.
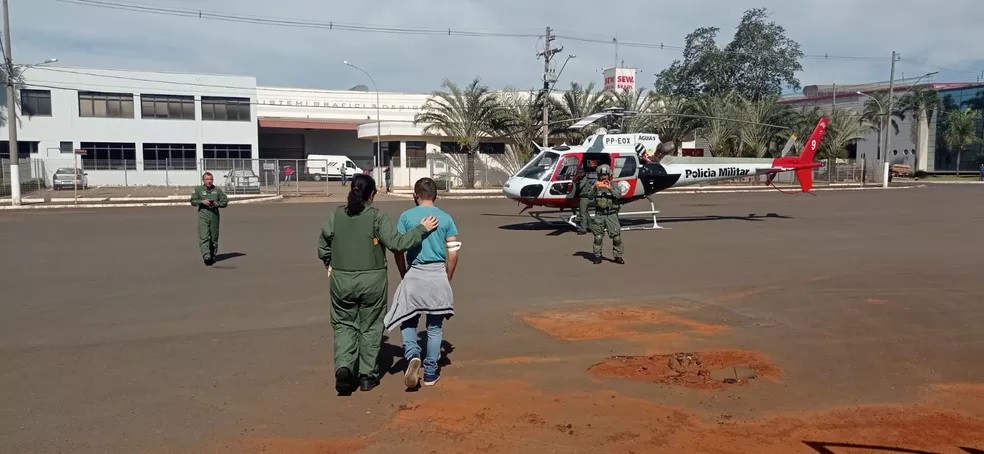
[
  {"x": 157, "y": 128},
  {"x": 297, "y": 122},
  {"x": 137, "y": 128}
]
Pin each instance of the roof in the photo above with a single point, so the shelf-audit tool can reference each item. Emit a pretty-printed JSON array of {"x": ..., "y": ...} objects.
[
  {"x": 309, "y": 123},
  {"x": 813, "y": 93}
]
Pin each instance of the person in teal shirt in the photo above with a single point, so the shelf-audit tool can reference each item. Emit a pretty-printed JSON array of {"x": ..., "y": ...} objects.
[{"x": 427, "y": 270}]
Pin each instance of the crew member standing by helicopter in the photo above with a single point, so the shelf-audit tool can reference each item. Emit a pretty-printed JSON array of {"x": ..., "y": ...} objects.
[
  {"x": 606, "y": 200},
  {"x": 582, "y": 186}
]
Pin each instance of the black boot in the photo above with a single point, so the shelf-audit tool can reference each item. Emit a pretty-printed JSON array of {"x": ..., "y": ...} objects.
[
  {"x": 597, "y": 259},
  {"x": 344, "y": 381},
  {"x": 367, "y": 383},
  {"x": 619, "y": 260}
]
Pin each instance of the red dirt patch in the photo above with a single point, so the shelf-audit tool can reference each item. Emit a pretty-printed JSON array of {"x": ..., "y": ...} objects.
[
  {"x": 713, "y": 370},
  {"x": 293, "y": 446},
  {"x": 495, "y": 416},
  {"x": 498, "y": 416},
  {"x": 631, "y": 323}
]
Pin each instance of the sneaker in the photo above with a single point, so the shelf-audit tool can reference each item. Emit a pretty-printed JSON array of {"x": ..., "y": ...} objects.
[
  {"x": 411, "y": 377},
  {"x": 432, "y": 380},
  {"x": 344, "y": 381}
]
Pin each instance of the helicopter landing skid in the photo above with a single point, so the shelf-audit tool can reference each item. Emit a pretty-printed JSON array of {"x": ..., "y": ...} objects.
[{"x": 569, "y": 220}]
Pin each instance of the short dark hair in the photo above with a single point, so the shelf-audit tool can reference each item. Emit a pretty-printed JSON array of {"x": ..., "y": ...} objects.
[
  {"x": 425, "y": 188},
  {"x": 206, "y": 174}
]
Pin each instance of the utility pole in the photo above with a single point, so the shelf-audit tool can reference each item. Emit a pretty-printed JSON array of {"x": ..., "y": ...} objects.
[
  {"x": 888, "y": 114},
  {"x": 547, "y": 55},
  {"x": 15, "y": 190}
]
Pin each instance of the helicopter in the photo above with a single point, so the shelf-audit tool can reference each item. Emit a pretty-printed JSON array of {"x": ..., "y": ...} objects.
[{"x": 547, "y": 180}]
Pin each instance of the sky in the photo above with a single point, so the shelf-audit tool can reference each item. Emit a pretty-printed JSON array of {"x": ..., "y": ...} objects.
[{"x": 857, "y": 36}]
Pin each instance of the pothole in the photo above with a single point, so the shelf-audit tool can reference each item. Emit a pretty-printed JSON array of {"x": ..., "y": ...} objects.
[{"x": 712, "y": 370}]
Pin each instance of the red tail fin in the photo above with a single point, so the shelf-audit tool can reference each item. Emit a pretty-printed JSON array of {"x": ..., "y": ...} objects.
[
  {"x": 811, "y": 145},
  {"x": 805, "y": 178},
  {"x": 803, "y": 164}
]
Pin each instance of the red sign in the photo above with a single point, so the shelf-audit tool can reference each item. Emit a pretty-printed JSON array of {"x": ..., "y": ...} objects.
[{"x": 80, "y": 151}]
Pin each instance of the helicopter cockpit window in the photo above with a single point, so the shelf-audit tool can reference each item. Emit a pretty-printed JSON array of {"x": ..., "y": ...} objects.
[
  {"x": 568, "y": 169},
  {"x": 541, "y": 167},
  {"x": 625, "y": 167}
]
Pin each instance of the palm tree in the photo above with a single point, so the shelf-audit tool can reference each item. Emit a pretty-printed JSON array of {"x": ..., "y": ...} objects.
[
  {"x": 673, "y": 123},
  {"x": 577, "y": 103},
  {"x": 755, "y": 139},
  {"x": 639, "y": 102},
  {"x": 467, "y": 116},
  {"x": 522, "y": 127},
  {"x": 718, "y": 132},
  {"x": 874, "y": 114},
  {"x": 961, "y": 131},
  {"x": 922, "y": 104},
  {"x": 846, "y": 125}
]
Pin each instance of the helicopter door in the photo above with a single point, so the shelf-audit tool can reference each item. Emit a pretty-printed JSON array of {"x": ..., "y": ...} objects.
[
  {"x": 626, "y": 167},
  {"x": 562, "y": 183}
]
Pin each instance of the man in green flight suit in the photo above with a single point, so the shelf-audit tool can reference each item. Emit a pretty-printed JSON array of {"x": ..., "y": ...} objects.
[
  {"x": 208, "y": 199},
  {"x": 351, "y": 247},
  {"x": 582, "y": 186},
  {"x": 606, "y": 199}
]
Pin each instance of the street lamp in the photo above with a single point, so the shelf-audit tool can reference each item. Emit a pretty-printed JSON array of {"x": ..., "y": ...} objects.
[
  {"x": 379, "y": 144},
  {"x": 12, "y": 72}
]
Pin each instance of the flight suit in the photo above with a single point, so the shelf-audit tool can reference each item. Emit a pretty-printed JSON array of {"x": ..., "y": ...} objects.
[
  {"x": 353, "y": 247},
  {"x": 605, "y": 195},
  {"x": 208, "y": 218},
  {"x": 581, "y": 190}
]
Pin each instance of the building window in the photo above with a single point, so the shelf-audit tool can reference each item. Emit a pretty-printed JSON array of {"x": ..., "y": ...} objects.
[
  {"x": 416, "y": 154},
  {"x": 36, "y": 103},
  {"x": 106, "y": 105},
  {"x": 167, "y": 106},
  {"x": 170, "y": 156},
  {"x": 109, "y": 156},
  {"x": 66, "y": 147},
  {"x": 492, "y": 148},
  {"x": 451, "y": 147},
  {"x": 227, "y": 156},
  {"x": 390, "y": 152},
  {"x": 225, "y": 109}
]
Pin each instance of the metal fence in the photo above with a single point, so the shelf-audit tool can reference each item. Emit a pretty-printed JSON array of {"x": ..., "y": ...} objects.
[{"x": 301, "y": 176}]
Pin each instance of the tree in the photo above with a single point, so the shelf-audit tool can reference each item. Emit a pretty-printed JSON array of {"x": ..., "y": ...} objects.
[
  {"x": 755, "y": 64},
  {"x": 760, "y": 134},
  {"x": 961, "y": 131},
  {"x": 577, "y": 103},
  {"x": 674, "y": 125},
  {"x": 922, "y": 104},
  {"x": 467, "y": 116},
  {"x": 846, "y": 126},
  {"x": 874, "y": 114},
  {"x": 639, "y": 106},
  {"x": 522, "y": 126},
  {"x": 718, "y": 131}
]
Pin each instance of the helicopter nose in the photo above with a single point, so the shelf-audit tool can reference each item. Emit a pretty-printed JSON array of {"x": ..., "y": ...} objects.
[{"x": 521, "y": 188}]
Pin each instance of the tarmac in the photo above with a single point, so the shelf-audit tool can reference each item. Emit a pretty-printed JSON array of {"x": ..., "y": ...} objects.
[{"x": 844, "y": 322}]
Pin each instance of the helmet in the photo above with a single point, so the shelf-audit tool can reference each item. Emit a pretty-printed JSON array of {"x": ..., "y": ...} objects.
[{"x": 604, "y": 170}]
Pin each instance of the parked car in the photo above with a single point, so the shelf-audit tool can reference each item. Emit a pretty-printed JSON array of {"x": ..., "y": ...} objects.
[
  {"x": 63, "y": 179},
  {"x": 242, "y": 181}
]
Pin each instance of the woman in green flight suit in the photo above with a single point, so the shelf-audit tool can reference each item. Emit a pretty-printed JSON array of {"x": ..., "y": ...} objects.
[{"x": 351, "y": 247}]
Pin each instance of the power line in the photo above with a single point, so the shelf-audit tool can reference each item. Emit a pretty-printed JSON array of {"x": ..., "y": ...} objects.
[{"x": 368, "y": 28}]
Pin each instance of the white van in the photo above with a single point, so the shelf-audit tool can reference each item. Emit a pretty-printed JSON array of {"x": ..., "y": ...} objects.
[{"x": 329, "y": 166}]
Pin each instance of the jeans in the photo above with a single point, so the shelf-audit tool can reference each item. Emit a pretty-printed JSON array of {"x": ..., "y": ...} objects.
[{"x": 411, "y": 349}]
